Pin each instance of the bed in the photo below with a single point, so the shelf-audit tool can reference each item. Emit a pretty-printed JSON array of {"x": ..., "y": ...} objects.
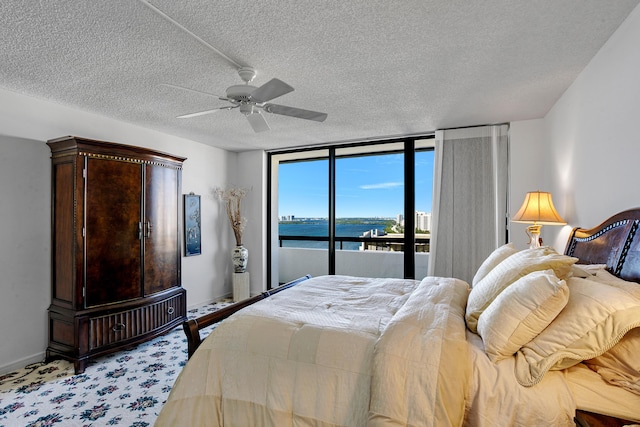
[{"x": 537, "y": 338}]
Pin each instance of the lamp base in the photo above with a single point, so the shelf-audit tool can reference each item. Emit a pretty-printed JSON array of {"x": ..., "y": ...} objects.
[{"x": 533, "y": 231}]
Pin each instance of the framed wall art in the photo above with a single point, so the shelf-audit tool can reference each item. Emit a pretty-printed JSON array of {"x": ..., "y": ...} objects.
[{"x": 192, "y": 235}]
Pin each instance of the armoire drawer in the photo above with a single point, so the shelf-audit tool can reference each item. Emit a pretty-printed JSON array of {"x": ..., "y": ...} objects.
[{"x": 125, "y": 325}]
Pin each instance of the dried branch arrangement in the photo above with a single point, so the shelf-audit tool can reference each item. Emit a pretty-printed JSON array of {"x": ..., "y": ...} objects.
[{"x": 232, "y": 197}]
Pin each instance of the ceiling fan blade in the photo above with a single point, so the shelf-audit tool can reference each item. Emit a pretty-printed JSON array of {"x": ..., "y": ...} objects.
[
  {"x": 193, "y": 90},
  {"x": 257, "y": 122},
  {"x": 199, "y": 113},
  {"x": 270, "y": 90},
  {"x": 202, "y": 113},
  {"x": 295, "y": 112}
]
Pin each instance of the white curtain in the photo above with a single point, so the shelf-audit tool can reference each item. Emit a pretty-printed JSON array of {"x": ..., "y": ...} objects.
[{"x": 470, "y": 199}]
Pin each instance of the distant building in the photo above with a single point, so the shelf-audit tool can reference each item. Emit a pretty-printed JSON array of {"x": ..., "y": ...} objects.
[
  {"x": 288, "y": 218},
  {"x": 423, "y": 220},
  {"x": 381, "y": 239}
]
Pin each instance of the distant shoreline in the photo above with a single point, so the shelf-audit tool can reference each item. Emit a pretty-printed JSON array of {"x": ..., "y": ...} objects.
[
  {"x": 303, "y": 221},
  {"x": 319, "y": 227}
]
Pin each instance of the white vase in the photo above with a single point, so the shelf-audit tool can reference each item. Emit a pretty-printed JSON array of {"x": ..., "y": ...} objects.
[{"x": 240, "y": 258}]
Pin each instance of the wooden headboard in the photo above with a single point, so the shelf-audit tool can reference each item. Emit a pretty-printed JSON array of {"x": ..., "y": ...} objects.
[{"x": 615, "y": 242}]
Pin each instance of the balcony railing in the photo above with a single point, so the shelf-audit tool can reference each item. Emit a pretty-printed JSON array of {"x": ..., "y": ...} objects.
[
  {"x": 379, "y": 243},
  {"x": 379, "y": 256}
]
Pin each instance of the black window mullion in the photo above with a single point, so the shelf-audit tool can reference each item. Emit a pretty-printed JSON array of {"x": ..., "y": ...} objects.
[
  {"x": 269, "y": 219},
  {"x": 409, "y": 209},
  {"x": 332, "y": 211}
]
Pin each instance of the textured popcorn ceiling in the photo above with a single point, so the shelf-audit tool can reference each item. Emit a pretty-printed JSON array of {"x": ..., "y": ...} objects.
[{"x": 378, "y": 67}]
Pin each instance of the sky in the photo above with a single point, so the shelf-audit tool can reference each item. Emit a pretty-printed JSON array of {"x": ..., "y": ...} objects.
[{"x": 366, "y": 186}]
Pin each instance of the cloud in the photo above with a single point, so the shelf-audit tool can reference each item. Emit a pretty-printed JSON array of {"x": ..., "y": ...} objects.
[{"x": 382, "y": 185}]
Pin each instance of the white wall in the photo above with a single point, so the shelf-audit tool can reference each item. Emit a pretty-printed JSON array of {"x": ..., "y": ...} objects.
[
  {"x": 591, "y": 135},
  {"x": 252, "y": 174},
  {"x": 530, "y": 169},
  {"x": 25, "y": 232},
  {"x": 25, "y": 249}
]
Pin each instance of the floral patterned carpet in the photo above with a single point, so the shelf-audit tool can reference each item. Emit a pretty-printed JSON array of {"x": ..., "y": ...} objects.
[{"x": 127, "y": 388}]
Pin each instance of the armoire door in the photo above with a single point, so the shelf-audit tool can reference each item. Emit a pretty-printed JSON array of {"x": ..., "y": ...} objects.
[
  {"x": 161, "y": 242},
  {"x": 113, "y": 231}
]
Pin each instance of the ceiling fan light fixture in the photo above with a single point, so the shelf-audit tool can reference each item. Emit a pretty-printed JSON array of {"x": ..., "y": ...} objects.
[{"x": 241, "y": 93}]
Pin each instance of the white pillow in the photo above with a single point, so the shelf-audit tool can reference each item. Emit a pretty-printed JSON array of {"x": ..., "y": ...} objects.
[
  {"x": 521, "y": 312},
  {"x": 595, "y": 318},
  {"x": 496, "y": 257},
  {"x": 508, "y": 271},
  {"x": 586, "y": 270},
  {"x": 621, "y": 365}
]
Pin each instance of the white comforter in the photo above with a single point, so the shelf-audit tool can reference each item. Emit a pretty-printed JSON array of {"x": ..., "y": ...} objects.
[{"x": 346, "y": 351}]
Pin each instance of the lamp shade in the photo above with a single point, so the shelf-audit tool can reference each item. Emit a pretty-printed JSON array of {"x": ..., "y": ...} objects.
[{"x": 538, "y": 209}]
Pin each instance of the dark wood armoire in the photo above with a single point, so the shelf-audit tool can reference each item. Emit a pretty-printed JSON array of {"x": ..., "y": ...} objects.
[{"x": 116, "y": 256}]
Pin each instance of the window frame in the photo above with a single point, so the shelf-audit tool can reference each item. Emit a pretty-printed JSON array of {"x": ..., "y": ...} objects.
[{"x": 408, "y": 150}]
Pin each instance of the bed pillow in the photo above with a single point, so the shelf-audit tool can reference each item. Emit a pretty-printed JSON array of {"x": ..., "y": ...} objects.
[
  {"x": 620, "y": 366},
  {"x": 508, "y": 271},
  {"x": 586, "y": 270},
  {"x": 521, "y": 312},
  {"x": 595, "y": 318},
  {"x": 496, "y": 257}
]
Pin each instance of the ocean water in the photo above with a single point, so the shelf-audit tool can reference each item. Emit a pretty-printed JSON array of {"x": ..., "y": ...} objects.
[{"x": 354, "y": 228}]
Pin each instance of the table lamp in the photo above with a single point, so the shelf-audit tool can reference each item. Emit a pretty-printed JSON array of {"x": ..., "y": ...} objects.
[{"x": 538, "y": 210}]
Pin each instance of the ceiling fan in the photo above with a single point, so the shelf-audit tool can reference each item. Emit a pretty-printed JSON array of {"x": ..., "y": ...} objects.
[{"x": 252, "y": 101}]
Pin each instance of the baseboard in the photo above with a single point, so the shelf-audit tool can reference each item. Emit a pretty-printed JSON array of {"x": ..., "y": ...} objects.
[
  {"x": 21, "y": 363},
  {"x": 217, "y": 299}
]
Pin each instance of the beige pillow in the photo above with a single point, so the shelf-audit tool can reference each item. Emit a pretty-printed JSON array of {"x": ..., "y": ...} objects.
[
  {"x": 621, "y": 365},
  {"x": 521, "y": 312},
  {"x": 595, "y": 318},
  {"x": 493, "y": 260},
  {"x": 508, "y": 271}
]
